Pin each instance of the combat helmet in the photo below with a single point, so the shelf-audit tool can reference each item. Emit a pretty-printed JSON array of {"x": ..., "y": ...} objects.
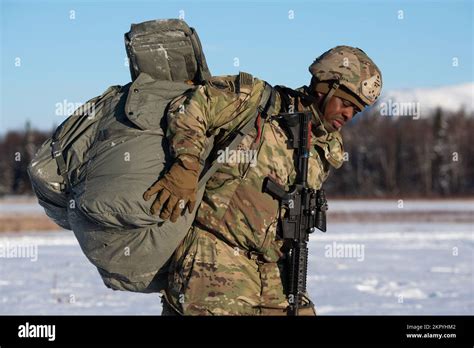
[{"x": 347, "y": 72}]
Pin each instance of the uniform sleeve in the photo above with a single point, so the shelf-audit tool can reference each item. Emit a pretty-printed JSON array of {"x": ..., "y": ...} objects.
[
  {"x": 188, "y": 121},
  {"x": 203, "y": 111}
]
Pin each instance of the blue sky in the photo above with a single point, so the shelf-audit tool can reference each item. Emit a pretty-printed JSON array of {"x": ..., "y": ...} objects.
[{"x": 76, "y": 59}]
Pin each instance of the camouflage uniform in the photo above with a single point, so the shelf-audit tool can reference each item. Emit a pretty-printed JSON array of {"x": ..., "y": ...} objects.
[{"x": 231, "y": 261}]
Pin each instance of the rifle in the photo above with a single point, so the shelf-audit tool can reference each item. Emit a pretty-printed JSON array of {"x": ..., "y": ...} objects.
[{"x": 305, "y": 207}]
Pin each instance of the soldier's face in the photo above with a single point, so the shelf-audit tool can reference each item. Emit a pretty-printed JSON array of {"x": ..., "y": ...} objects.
[{"x": 338, "y": 112}]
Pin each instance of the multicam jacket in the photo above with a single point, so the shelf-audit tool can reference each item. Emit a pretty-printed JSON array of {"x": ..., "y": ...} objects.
[{"x": 233, "y": 207}]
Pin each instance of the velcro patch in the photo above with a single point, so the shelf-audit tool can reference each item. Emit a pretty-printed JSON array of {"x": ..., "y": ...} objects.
[{"x": 371, "y": 87}]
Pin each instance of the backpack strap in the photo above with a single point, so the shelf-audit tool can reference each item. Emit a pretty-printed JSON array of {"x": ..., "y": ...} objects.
[
  {"x": 266, "y": 105},
  {"x": 262, "y": 109},
  {"x": 57, "y": 153},
  {"x": 202, "y": 73}
]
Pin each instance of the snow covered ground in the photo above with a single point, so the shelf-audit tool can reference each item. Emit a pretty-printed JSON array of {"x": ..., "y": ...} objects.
[
  {"x": 379, "y": 267},
  {"x": 398, "y": 268}
]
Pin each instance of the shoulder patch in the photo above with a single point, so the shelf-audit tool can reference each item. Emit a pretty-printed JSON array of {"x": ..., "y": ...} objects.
[
  {"x": 243, "y": 82},
  {"x": 223, "y": 83},
  {"x": 245, "y": 79}
]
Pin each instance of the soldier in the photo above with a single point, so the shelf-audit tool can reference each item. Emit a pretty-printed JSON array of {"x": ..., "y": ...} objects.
[{"x": 231, "y": 261}]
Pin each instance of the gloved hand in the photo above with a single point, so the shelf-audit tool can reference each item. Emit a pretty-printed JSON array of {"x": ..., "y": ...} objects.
[{"x": 177, "y": 189}]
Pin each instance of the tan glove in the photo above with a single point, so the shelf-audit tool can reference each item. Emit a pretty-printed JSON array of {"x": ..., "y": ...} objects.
[{"x": 177, "y": 189}]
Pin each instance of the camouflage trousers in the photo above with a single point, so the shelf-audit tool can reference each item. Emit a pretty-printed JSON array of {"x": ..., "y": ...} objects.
[{"x": 210, "y": 277}]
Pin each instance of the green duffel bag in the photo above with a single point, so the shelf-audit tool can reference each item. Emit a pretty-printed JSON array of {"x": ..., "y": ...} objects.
[{"x": 91, "y": 174}]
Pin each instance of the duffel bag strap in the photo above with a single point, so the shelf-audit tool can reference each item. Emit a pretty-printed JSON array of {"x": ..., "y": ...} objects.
[{"x": 265, "y": 102}]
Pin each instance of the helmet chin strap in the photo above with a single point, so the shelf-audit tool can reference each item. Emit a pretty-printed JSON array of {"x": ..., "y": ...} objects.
[
  {"x": 334, "y": 87},
  {"x": 318, "y": 115}
]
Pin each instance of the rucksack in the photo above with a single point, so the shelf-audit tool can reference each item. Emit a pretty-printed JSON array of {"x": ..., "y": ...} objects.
[
  {"x": 167, "y": 50},
  {"x": 91, "y": 174}
]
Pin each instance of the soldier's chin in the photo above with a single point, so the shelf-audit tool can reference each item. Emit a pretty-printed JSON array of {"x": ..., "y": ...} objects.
[{"x": 329, "y": 127}]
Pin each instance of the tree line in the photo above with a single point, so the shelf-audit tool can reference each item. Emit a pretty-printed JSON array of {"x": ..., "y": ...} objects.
[
  {"x": 384, "y": 157},
  {"x": 392, "y": 156}
]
